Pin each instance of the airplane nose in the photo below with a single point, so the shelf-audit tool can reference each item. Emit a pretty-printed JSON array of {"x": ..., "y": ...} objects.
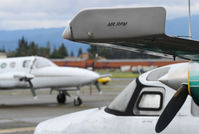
[
  {"x": 91, "y": 76},
  {"x": 94, "y": 74},
  {"x": 67, "y": 32},
  {"x": 78, "y": 76}
]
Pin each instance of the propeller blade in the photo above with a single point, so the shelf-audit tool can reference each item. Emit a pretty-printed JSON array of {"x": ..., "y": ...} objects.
[
  {"x": 98, "y": 87},
  {"x": 172, "y": 108},
  {"x": 32, "y": 89}
]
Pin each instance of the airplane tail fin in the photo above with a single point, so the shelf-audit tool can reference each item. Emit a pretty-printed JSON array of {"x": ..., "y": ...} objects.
[{"x": 116, "y": 23}]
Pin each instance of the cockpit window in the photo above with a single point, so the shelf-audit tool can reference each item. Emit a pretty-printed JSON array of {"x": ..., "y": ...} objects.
[
  {"x": 41, "y": 63},
  {"x": 26, "y": 63},
  {"x": 120, "y": 103},
  {"x": 138, "y": 99},
  {"x": 149, "y": 102}
]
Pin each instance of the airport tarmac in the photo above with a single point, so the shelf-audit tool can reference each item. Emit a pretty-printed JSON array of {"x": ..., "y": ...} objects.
[{"x": 20, "y": 113}]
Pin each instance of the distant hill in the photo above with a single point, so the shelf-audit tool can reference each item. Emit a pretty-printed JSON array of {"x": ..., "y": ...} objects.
[
  {"x": 9, "y": 39},
  {"x": 179, "y": 27}
]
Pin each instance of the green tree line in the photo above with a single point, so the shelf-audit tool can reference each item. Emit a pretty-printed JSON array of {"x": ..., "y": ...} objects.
[{"x": 26, "y": 48}]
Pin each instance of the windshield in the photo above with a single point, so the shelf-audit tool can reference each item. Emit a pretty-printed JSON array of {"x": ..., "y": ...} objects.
[
  {"x": 120, "y": 103},
  {"x": 26, "y": 63},
  {"x": 42, "y": 62}
]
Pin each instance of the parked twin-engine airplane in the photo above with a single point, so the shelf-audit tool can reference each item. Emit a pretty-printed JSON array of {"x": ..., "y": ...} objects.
[
  {"x": 136, "y": 109},
  {"x": 37, "y": 72}
]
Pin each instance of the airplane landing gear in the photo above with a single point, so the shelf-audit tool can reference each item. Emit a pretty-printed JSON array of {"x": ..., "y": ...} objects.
[
  {"x": 77, "y": 101},
  {"x": 61, "y": 98}
]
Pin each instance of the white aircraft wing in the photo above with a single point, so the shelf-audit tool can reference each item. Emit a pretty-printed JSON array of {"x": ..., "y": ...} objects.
[
  {"x": 23, "y": 76},
  {"x": 16, "y": 75},
  {"x": 133, "y": 29}
]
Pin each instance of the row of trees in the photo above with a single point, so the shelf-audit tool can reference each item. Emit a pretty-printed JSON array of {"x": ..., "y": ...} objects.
[{"x": 26, "y": 48}]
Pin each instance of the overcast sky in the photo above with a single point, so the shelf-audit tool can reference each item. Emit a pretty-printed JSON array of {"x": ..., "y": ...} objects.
[{"x": 29, "y": 14}]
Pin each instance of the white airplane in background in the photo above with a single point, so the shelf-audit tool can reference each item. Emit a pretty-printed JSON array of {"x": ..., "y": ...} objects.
[
  {"x": 137, "y": 109},
  {"x": 37, "y": 72}
]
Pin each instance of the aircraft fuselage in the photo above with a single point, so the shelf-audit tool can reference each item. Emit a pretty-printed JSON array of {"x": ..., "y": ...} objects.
[{"x": 12, "y": 71}]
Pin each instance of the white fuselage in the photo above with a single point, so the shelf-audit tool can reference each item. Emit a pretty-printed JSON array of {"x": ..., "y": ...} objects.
[
  {"x": 99, "y": 121},
  {"x": 44, "y": 73}
]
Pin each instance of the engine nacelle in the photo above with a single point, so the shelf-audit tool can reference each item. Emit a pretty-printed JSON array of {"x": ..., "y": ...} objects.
[{"x": 193, "y": 82}]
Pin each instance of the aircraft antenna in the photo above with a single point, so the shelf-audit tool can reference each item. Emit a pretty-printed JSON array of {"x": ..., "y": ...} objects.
[{"x": 189, "y": 8}]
